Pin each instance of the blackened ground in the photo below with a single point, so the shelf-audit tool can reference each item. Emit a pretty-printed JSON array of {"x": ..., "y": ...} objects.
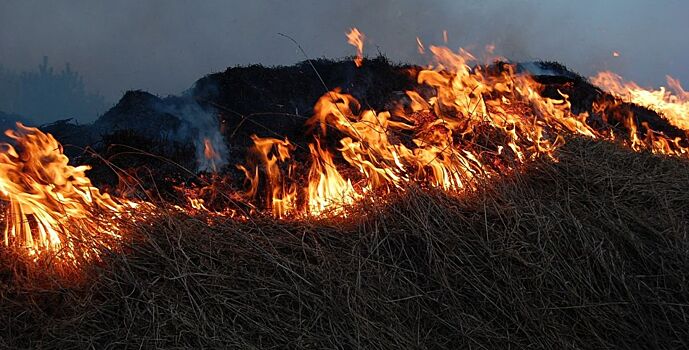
[{"x": 587, "y": 253}]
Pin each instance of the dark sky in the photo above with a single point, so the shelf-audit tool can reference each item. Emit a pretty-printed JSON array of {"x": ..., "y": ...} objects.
[{"x": 164, "y": 46}]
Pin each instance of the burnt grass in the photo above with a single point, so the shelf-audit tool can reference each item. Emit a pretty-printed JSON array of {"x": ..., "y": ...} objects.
[{"x": 589, "y": 252}]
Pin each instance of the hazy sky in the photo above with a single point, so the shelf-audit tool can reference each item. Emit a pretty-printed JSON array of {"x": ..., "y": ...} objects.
[{"x": 163, "y": 46}]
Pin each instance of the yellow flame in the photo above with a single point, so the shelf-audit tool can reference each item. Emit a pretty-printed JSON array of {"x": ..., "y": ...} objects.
[
  {"x": 327, "y": 189},
  {"x": 466, "y": 123},
  {"x": 672, "y": 102},
  {"x": 268, "y": 154},
  {"x": 479, "y": 122},
  {"x": 356, "y": 39},
  {"x": 52, "y": 205}
]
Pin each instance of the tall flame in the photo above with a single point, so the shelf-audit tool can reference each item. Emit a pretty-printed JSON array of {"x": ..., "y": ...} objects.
[
  {"x": 327, "y": 189},
  {"x": 268, "y": 154},
  {"x": 356, "y": 39},
  {"x": 466, "y": 123},
  {"x": 442, "y": 151},
  {"x": 479, "y": 122},
  {"x": 52, "y": 205}
]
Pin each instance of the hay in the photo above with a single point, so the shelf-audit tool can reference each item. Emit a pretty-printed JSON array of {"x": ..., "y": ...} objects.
[{"x": 589, "y": 252}]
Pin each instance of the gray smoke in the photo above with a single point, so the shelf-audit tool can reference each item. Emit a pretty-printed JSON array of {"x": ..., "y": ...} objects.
[
  {"x": 201, "y": 126},
  {"x": 164, "y": 46}
]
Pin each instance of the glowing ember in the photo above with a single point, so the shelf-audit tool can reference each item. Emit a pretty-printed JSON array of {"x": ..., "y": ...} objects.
[
  {"x": 53, "y": 208},
  {"x": 356, "y": 39}
]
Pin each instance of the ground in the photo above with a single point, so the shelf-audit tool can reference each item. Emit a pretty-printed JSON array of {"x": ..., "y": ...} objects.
[{"x": 588, "y": 252}]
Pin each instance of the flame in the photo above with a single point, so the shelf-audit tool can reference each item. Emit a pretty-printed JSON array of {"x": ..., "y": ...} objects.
[
  {"x": 268, "y": 155},
  {"x": 327, "y": 189},
  {"x": 466, "y": 123},
  {"x": 210, "y": 154},
  {"x": 672, "y": 102},
  {"x": 442, "y": 150},
  {"x": 53, "y": 208},
  {"x": 480, "y": 122},
  {"x": 419, "y": 46},
  {"x": 197, "y": 203},
  {"x": 356, "y": 39}
]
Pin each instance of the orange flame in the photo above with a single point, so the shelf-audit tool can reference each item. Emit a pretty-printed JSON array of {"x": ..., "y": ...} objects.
[
  {"x": 672, "y": 103},
  {"x": 468, "y": 123},
  {"x": 439, "y": 153},
  {"x": 356, "y": 39},
  {"x": 269, "y": 154},
  {"x": 52, "y": 205},
  {"x": 479, "y": 123},
  {"x": 209, "y": 152},
  {"x": 327, "y": 189}
]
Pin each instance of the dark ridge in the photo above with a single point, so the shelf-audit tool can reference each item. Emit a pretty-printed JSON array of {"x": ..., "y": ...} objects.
[
  {"x": 137, "y": 110},
  {"x": 276, "y": 101}
]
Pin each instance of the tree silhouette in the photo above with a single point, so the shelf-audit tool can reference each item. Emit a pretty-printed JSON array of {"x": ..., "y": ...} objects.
[{"x": 45, "y": 95}]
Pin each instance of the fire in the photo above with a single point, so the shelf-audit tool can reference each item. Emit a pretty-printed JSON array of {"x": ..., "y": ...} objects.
[
  {"x": 481, "y": 121},
  {"x": 672, "y": 102},
  {"x": 197, "y": 203},
  {"x": 419, "y": 46},
  {"x": 327, "y": 189},
  {"x": 445, "y": 128},
  {"x": 466, "y": 123},
  {"x": 270, "y": 155},
  {"x": 356, "y": 39},
  {"x": 209, "y": 152},
  {"x": 52, "y": 206}
]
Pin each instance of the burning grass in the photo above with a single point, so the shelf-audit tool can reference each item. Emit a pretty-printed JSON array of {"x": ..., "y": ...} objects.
[
  {"x": 481, "y": 209},
  {"x": 586, "y": 252},
  {"x": 52, "y": 208}
]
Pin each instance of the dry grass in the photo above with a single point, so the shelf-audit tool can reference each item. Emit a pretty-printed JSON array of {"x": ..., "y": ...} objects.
[{"x": 590, "y": 252}]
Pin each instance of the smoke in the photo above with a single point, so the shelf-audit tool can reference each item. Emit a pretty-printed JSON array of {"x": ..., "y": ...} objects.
[
  {"x": 164, "y": 46},
  {"x": 202, "y": 128}
]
